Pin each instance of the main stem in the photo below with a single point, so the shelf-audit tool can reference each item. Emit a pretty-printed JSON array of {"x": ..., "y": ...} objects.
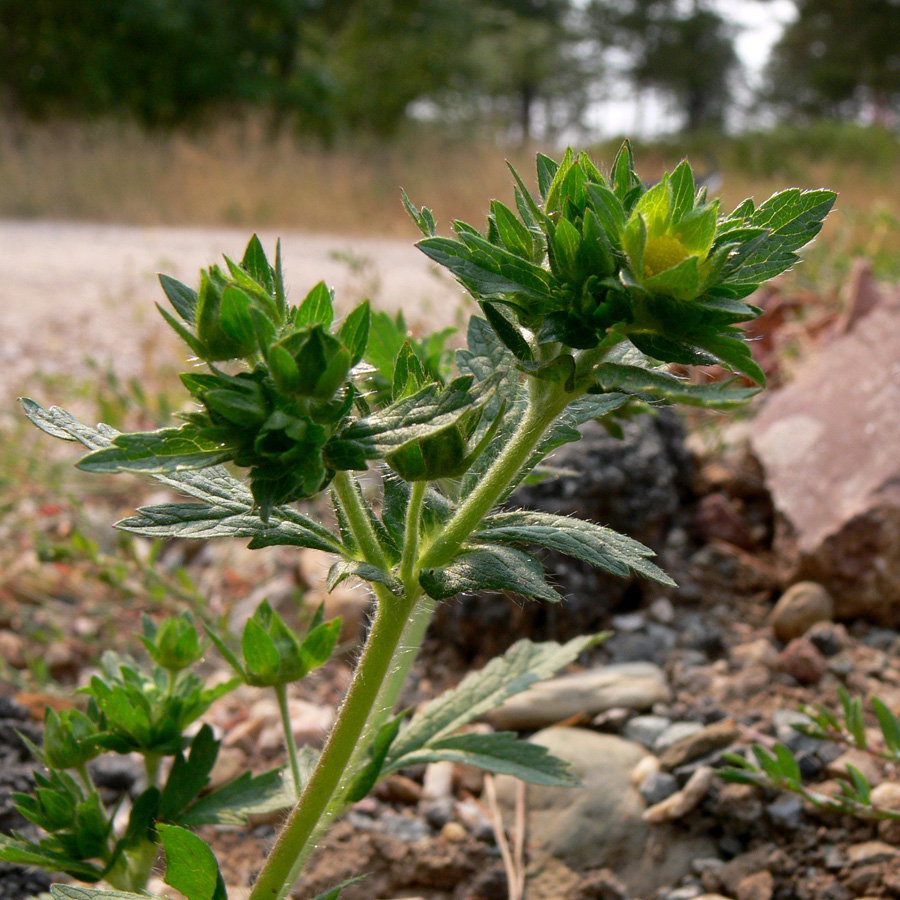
[
  {"x": 387, "y": 628},
  {"x": 396, "y": 633}
]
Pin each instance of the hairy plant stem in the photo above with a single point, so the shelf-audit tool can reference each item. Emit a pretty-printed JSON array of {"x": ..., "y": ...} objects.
[
  {"x": 396, "y": 634},
  {"x": 345, "y": 487},
  {"x": 281, "y": 694}
]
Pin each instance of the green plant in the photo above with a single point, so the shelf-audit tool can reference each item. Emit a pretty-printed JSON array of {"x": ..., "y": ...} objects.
[
  {"x": 588, "y": 291},
  {"x": 780, "y": 769}
]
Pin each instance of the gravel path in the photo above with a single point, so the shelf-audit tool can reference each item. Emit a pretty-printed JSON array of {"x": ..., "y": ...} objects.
[{"x": 74, "y": 292}]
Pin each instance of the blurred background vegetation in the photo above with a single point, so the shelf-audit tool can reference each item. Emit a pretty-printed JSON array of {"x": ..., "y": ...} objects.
[{"x": 309, "y": 113}]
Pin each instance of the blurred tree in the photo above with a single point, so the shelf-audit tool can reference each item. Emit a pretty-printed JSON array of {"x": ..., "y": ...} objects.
[
  {"x": 163, "y": 61},
  {"x": 837, "y": 57},
  {"x": 531, "y": 52},
  {"x": 686, "y": 53}
]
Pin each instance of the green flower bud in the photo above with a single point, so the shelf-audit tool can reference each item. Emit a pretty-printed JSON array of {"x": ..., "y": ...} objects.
[
  {"x": 68, "y": 738},
  {"x": 174, "y": 644}
]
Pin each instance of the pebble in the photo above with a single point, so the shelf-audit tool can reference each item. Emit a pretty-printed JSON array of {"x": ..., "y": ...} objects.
[
  {"x": 799, "y": 608},
  {"x": 645, "y": 767},
  {"x": 635, "y": 685},
  {"x": 685, "y": 892},
  {"x": 12, "y": 649},
  {"x": 887, "y": 794},
  {"x": 404, "y": 828},
  {"x": 758, "y": 886},
  {"x": 866, "y": 764},
  {"x": 869, "y": 852},
  {"x": 786, "y": 812},
  {"x": 698, "y": 743},
  {"x": 760, "y": 652},
  {"x": 646, "y": 730},
  {"x": 682, "y": 802},
  {"x": 662, "y": 610},
  {"x": 783, "y": 721},
  {"x": 802, "y": 661},
  {"x": 676, "y": 732},
  {"x": 453, "y": 832},
  {"x": 829, "y": 637},
  {"x": 657, "y": 787}
]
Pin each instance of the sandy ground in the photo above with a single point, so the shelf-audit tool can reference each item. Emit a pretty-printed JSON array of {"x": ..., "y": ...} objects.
[{"x": 77, "y": 292}]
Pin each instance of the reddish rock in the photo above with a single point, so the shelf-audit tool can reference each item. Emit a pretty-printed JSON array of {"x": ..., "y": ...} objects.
[
  {"x": 828, "y": 444},
  {"x": 801, "y": 660}
]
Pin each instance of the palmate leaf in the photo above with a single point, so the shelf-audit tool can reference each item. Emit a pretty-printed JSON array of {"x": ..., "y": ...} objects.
[
  {"x": 793, "y": 218},
  {"x": 489, "y": 569},
  {"x": 247, "y": 795},
  {"x": 501, "y": 752},
  {"x": 599, "y": 546},
  {"x": 524, "y": 664},
  {"x": 225, "y": 506}
]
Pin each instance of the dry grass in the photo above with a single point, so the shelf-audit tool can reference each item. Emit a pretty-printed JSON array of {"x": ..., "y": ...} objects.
[{"x": 237, "y": 175}]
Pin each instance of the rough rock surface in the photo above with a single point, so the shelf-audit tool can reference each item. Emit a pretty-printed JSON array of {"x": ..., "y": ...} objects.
[
  {"x": 636, "y": 485},
  {"x": 828, "y": 445},
  {"x": 15, "y": 775},
  {"x": 601, "y": 826},
  {"x": 624, "y": 685}
]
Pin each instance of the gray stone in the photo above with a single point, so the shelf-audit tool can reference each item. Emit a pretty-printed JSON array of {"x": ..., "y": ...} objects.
[
  {"x": 633, "y": 685},
  {"x": 657, "y": 786},
  {"x": 828, "y": 444},
  {"x": 646, "y": 729},
  {"x": 786, "y": 812},
  {"x": 599, "y": 824}
]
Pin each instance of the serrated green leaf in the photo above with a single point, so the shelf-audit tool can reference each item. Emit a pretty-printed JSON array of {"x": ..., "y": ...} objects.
[
  {"x": 489, "y": 569},
  {"x": 189, "y": 775},
  {"x": 546, "y": 172},
  {"x": 523, "y": 664},
  {"x": 507, "y": 332},
  {"x": 662, "y": 385},
  {"x": 681, "y": 182},
  {"x": 24, "y": 853},
  {"x": 191, "y": 867},
  {"x": 354, "y": 332},
  {"x": 345, "y": 568},
  {"x": 488, "y": 272},
  {"x": 182, "y": 298},
  {"x": 500, "y": 752},
  {"x": 599, "y": 546},
  {"x": 513, "y": 233},
  {"x": 697, "y": 230},
  {"x": 426, "y": 412},
  {"x": 334, "y": 893},
  {"x": 423, "y": 219},
  {"x": 248, "y": 795},
  {"x": 77, "y": 892},
  {"x": 317, "y": 308},
  {"x": 257, "y": 266},
  {"x": 163, "y": 451},
  {"x": 368, "y": 776},
  {"x": 260, "y": 653}
]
